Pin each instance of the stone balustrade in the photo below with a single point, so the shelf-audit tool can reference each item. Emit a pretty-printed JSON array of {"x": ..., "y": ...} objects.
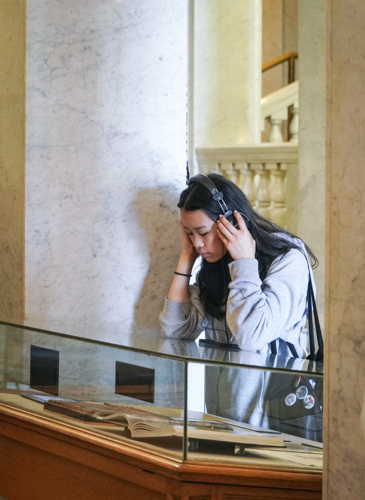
[{"x": 265, "y": 172}]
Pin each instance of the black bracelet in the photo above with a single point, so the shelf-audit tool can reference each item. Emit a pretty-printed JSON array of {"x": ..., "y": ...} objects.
[{"x": 181, "y": 274}]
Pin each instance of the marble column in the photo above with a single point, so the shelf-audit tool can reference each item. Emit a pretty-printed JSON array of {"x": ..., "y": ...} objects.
[
  {"x": 12, "y": 154},
  {"x": 345, "y": 252},
  {"x": 105, "y": 153},
  {"x": 312, "y": 135},
  {"x": 227, "y": 72}
]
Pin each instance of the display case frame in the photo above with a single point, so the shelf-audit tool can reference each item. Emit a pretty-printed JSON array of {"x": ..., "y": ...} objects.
[{"x": 22, "y": 426}]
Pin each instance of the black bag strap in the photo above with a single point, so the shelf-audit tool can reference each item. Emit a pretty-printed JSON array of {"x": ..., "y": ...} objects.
[
  {"x": 291, "y": 348},
  {"x": 312, "y": 312},
  {"x": 273, "y": 347}
]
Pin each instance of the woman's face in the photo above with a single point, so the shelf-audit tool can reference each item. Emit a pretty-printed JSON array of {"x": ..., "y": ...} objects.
[{"x": 202, "y": 231}]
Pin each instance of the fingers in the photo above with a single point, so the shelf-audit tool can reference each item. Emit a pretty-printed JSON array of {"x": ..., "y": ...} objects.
[
  {"x": 224, "y": 239},
  {"x": 240, "y": 220},
  {"x": 230, "y": 227},
  {"x": 239, "y": 242},
  {"x": 226, "y": 231},
  {"x": 225, "y": 227}
]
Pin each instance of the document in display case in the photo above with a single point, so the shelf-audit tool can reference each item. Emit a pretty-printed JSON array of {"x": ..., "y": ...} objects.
[{"x": 137, "y": 423}]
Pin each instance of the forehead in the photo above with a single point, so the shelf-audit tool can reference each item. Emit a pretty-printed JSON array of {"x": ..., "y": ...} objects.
[{"x": 196, "y": 218}]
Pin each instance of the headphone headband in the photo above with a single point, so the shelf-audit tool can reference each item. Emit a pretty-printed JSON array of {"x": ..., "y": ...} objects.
[
  {"x": 208, "y": 184},
  {"x": 217, "y": 195}
]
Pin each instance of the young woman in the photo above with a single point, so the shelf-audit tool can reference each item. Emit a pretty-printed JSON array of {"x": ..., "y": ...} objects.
[{"x": 251, "y": 289}]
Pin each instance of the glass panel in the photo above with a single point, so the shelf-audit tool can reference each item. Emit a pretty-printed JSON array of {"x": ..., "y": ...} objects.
[
  {"x": 251, "y": 416},
  {"x": 150, "y": 342},
  {"x": 101, "y": 389}
]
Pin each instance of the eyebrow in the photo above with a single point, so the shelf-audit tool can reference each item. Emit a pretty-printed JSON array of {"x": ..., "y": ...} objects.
[{"x": 195, "y": 228}]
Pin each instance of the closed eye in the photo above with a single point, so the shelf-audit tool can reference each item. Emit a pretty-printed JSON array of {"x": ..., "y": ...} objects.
[{"x": 191, "y": 234}]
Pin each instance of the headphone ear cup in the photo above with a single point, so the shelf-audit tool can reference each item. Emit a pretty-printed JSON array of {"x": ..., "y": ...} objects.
[{"x": 232, "y": 219}]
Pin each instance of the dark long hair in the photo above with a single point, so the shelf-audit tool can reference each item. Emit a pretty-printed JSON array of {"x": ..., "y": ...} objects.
[{"x": 271, "y": 240}]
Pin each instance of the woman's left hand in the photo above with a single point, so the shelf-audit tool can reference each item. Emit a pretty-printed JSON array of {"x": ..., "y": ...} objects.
[{"x": 239, "y": 242}]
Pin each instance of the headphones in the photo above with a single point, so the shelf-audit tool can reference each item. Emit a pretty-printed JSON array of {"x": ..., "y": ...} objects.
[{"x": 217, "y": 195}]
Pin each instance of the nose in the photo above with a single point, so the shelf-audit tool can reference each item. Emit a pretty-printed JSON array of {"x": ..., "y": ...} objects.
[{"x": 197, "y": 241}]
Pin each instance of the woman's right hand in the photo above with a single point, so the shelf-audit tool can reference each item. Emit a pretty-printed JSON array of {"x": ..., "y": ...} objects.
[{"x": 188, "y": 249}]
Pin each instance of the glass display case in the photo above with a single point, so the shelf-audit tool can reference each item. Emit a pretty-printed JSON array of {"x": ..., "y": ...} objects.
[{"x": 180, "y": 399}]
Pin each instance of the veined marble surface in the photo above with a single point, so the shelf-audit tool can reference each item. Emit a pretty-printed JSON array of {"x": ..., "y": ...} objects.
[
  {"x": 345, "y": 367},
  {"x": 106, "y": 104},
  {"x": 310, "y": 205},
  {"x": 227, "y": 72},
  {"x": 12, "y": 150}
]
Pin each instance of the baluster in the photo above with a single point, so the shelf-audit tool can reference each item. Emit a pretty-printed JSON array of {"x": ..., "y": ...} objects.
[
  {"x": 229, "y": 172},
  {"x": 218, "y": 169},
  {"x": 294, "y": 124},
  {"x": 263, "y": 191},
  {"x": 278, "y": 208},
  {"x": 246, "y": 182},
  {"x": 240, "y": 178},
  {"x": 275, "y": 134}
]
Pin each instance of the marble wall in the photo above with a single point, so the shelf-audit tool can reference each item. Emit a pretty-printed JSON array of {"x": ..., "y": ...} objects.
[
  {"x": 12, "y": 153},
  {"x": 105, "y": 155},
  {"x": 227, "y": 72},
  {"x": 345, "y": 252},
  {"x": 312, "y": 135}
]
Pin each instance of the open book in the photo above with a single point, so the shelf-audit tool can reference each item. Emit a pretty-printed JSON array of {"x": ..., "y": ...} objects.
[{"x": 138, "y": 423}]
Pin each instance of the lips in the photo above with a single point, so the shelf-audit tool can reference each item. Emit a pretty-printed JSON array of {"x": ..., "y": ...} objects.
[{"x": 204, "y": 255}]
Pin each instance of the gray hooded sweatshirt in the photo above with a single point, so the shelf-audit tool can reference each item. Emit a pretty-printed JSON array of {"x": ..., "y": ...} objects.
[{"x": 258, "y": 312}]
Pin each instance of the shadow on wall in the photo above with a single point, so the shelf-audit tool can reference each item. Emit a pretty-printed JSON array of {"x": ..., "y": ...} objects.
[{"x": 158, "y": 215}]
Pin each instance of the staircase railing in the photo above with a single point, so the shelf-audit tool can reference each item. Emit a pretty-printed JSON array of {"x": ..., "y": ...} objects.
[{"x": 289, "y": 57}]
